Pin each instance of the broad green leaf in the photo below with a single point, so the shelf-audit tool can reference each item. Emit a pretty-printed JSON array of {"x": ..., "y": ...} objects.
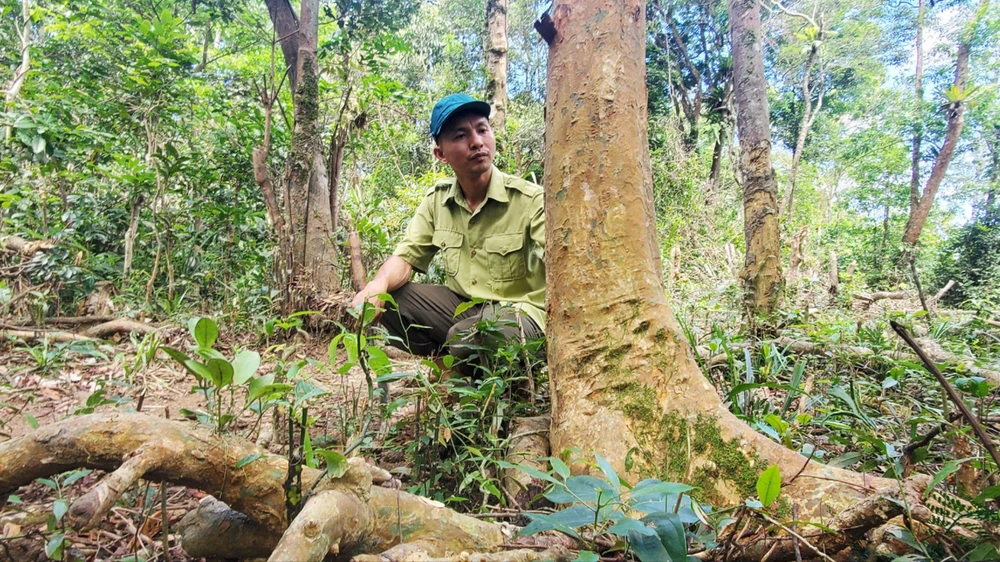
[
  {"x": 582, "y": 489},
  {"x": 587, "y": 556},
  {"x": 306, "y": 390},
  {"x": 245, "y": 365},
  {"x": 535, "y": 473},
  {"x": 769, "y": 485},
  {"x": 626, "y": 524},
  {"x": 670, "y": 530},
  {"x": 176, "y": 354},
  {"x": 559, "y": 466},
  {"x": 608, "y": 471},
  {"x": 204, "y": 330},
  {"x": 248, "y": 459},
  {"x": 655, "y": 487},
  {"x": 59, "y": 508},
  {"x": 32, "y": 422},
  {"x": 336, "y": 463},
  {"x": 54, "y": 547},
  {"x": 332, "y": 349},
  {"x": 988, "y": 494},
  {"x": 378, "y": 361},
  {"x": 221, "y": 372},
  {"x": 984, "y": 551},
  {"x": 648, "y": 548}
]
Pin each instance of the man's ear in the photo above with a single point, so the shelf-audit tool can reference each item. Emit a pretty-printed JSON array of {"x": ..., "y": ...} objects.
[{"x": 439, "y": 154}]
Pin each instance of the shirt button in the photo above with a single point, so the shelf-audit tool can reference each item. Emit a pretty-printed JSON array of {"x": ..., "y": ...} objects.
[
  {"x": 473, "y": 253},
  {"x": 473, "y": 281},
  {"x": 444, "y": 244}
]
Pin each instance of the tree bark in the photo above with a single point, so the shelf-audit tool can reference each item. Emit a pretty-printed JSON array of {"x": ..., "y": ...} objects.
[
  {"x": 956, "y": 119},
  {"x": 918, "y": 87},
  {"x": 496, "y": 60},
  {"x": 21, "y": 72},
  {"x": 619, "y": 364},
  {"x": 286, "y": 27},
  {"x": 762, "y": 274},
  {"x": 314, "y": 256}
]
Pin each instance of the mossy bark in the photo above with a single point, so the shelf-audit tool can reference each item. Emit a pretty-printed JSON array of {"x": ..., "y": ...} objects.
[
  {"x": 624, "y": 380},
  {"x": 762, "y": 272},
  {"x": 314, "y": 256}
]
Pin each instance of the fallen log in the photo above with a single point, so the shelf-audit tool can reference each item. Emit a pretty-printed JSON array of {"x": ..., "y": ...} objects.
[
  {"x": 132, "y": 446},
  {"x": 529, "y": 442},
  {"x": 98, "y": 332},
  {"x": 26, "y": 248}
]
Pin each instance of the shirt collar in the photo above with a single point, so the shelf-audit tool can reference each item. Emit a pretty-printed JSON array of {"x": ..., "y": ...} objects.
[{"x": 497, "y": 189}]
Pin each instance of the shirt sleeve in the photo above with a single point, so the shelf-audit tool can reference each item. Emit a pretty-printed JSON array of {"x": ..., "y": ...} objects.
[
  {"x": 537, "y": 232},
  {"x": 417, "y": 248}
]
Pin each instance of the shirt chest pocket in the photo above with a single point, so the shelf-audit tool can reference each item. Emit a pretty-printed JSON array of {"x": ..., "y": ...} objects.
[
  {"x": 450, "y": 243},
  {"x": 506, "y": 260}
]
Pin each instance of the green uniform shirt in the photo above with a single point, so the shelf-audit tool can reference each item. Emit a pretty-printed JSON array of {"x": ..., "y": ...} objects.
[{"x": 495, "y": 253}]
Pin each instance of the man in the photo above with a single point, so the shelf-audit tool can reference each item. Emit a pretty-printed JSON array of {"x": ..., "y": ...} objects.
[{"x": 490, "y": 227}]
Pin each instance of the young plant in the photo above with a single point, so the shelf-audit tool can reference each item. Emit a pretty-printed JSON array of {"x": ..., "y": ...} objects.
[
  {"x": 654, "y": 518},
  {"x": 216, "y": 374}
]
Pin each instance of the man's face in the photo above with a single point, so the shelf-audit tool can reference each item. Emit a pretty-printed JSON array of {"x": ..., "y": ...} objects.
[{"x": 466, "y": 144}]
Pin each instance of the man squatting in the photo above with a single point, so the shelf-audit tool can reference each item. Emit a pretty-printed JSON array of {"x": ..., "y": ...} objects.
[{"x": 490, "y": 227}]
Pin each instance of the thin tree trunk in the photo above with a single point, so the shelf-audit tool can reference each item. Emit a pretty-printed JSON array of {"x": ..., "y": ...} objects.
[
  {"x": 619, "y": 365},
  {"x": 21, "y": 72},
  {"x": 314, "y": 257},
  {"x": 956, "y": 118},
  {"x": 496, "y": 60},
  {"x": 131, "y": 234},
  {"x": 762, "y": 274},
  {"x": 918, "y": 87},
  {"x": 809, "y": 114}
]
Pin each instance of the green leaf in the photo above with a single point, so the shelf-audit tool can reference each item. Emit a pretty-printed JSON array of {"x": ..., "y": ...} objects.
[
  {"x": 582, "y": 489},
  {"x": 336, "y": 463},
  {"x": 559, "y": 466},
  {"x": 332, "y": 349},
  {"x": 249, "y": 459},
  {"x": 990, "y": 493},
  {"x": 627, "y": 524},
  {"x": 648, "y": 548},
  {"x": 221, "y": 372},
  {"x": 670, "y": 530},
  {"x": 466, "y": 306},
  {"x": 608, "y": 471},
  {"x": 245, "y": 366},
  {"x": 378, "y": 361},
  {"x": 985, "y": 551},
  {"x": 204, "y": 330},
  {"x": 176, "y": 354},
  {"x": 14, "y": 499},
  {"x": 38, "y": 145},
  {"x": 947, "y": 469},
  {"x": 535, "y": 473},
  {"x": 54, "y": 548},
  {"x": 59, "y": 508},
  {"x": 32, "y": 422},
  {"x": 654, "y": 487},
  {"x": 306, "y": 390},
  {"x": 769, "y": 485},
  {"x": 75, "y": 475},
  {"x": 586, "y": 556}
]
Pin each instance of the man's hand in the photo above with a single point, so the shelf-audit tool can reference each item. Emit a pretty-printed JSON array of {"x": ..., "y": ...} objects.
[{"x": 370, "y": 294}]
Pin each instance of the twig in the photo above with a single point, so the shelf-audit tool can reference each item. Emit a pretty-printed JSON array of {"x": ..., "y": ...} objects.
[
  {"x": 952, "y": 394},
  {"x": 795, "y": 537}
]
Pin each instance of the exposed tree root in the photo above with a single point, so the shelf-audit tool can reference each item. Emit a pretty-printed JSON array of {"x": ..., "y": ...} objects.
[
  {"x": 850, "y": 525},
  {"x": 371, "y": 519},
  {"x": 529, "y": 442}
]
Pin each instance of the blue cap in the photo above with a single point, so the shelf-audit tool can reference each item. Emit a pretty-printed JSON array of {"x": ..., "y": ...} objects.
[{"x": 452, "y": 103}]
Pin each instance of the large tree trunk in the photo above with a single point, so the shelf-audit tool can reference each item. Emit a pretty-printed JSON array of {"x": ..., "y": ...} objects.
[
  {"x": 496, "y": 60},
  {"x": 624, "y": 380},
  {"x": 760, "y": 190},
  {"x": 956, "y": 118}
]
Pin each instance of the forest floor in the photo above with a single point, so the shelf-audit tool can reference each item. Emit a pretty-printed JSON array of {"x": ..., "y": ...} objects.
[
  {"x": 36, "y": 395},
  {"x": 895, "y": 399}
]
